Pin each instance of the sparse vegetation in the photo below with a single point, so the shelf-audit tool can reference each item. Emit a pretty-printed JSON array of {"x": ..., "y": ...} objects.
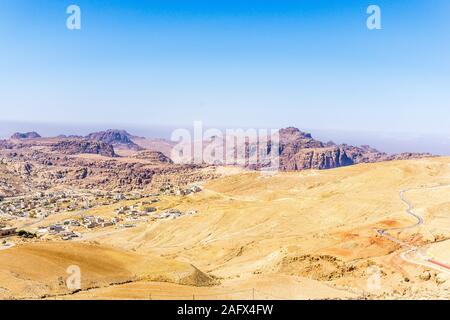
[{"x": 26, "y": 234}]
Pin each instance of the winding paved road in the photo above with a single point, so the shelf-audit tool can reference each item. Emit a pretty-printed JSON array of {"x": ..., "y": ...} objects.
[{"x": 421, "y": 259}]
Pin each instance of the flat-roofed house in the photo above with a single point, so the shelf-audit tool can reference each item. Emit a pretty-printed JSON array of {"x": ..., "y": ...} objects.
[{"x": 6, "y": 232}]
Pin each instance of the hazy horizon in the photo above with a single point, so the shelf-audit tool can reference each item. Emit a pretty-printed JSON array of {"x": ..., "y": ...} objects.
[{"x": 389, "y": 142}]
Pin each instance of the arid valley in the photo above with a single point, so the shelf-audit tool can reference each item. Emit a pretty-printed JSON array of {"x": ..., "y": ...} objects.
[{"x": 336, "y": 222}]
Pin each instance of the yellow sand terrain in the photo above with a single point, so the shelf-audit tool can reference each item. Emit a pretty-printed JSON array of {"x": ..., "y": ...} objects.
[
  {"x": 296, "y": 235},
  {"x": 42, "y": 269}
]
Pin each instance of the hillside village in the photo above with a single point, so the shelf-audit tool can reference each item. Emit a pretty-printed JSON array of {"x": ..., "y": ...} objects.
[{"x": 29, "y": 213}]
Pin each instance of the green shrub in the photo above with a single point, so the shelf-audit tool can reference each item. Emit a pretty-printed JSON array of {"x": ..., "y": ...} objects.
[{"x": 26, "y": 234}]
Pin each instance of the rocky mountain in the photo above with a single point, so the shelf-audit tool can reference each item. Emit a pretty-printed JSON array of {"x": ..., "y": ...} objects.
[
  {"x": 80, "y": 146},
  {"x": 315, "y": 158},
  {"x": 117, "y": 138},
  {"x": 13, "y": 178},
  {"x": 26, "y": 135},
  {"x": 46, "y": 163},
  {"x": 48, "y": 159},
  {"x": 299, "y": 151}
]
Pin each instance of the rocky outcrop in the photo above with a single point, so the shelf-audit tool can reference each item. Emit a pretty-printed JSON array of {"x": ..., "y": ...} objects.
[
  {"x": 408, "y": 155},
  {"x": 320, "y": 158},
  {"x": 366, "y": 154},
  {"x": 153, "y": 156},
  {"x": 27, "y": 135},
  {"x": 25, "y": 169},
  {"x": 292, "y": 140},
  {"x": 79, "y": 174},
  {"x": 72, "y": 136},
  {"x": 299, "y": 151},
  {"x": 71, "y": 147},
  {"x": 119, "y": 138},
  {"x": 4, "y": 144},
  {"x": 47, "y": 163}
]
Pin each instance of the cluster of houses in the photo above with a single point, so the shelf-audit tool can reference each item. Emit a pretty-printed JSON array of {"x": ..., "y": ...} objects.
[
  {"x": 185, "y": 192},
  {"x": 89, "y": 222},
  {"x": 42, "y": 205},
  {"x": 7, "y": 231},
  {"x": 138, "y": 210},
  {"x": 173, "y": 214},
  {"x": 62, "y": 230},
  {"x": 170, "y": 189},
  {"x": 141, "y": 209}
]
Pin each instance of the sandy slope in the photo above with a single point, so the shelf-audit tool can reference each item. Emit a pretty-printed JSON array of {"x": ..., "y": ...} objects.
[
  {"x": 37, "y": 270},
  {"x": 267, "y": 287}
]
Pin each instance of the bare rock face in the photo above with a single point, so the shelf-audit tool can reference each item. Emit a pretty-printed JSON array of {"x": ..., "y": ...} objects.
[
  {"x": 300, "y": 151},
  {"x": 78, "y": 146},
  {"x": 293, "y": 139},
  {"x": 44, "y": 164},
  {"x": 27, "y": 135},
  {"x": 118, "y": 138},
  {"x": 71, "y": 136},
  {"x": 320, "y": 158},
  {"x": 153, "y": 156},
  {"x": 26, "y": 169},
  {"x": 79, "y": 174},
  {"x": 408, "y": 155},
  {"x": 366, "y": 154}
]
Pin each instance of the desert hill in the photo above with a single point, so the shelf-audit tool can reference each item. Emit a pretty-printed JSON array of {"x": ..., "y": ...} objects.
[
  {"x": 40, "y": 270},
  {"x": 116, "y": 138}
]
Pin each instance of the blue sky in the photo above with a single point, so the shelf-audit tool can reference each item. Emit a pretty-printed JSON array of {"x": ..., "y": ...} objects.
[{"x": 311, "y": 64}]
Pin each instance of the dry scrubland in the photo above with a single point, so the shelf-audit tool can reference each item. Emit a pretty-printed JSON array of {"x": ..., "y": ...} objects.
[{"x": 299, "y": 235}]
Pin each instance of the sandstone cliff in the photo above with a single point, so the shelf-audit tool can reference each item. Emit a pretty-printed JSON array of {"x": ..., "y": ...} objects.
[{"x": 299, "y": 151}]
